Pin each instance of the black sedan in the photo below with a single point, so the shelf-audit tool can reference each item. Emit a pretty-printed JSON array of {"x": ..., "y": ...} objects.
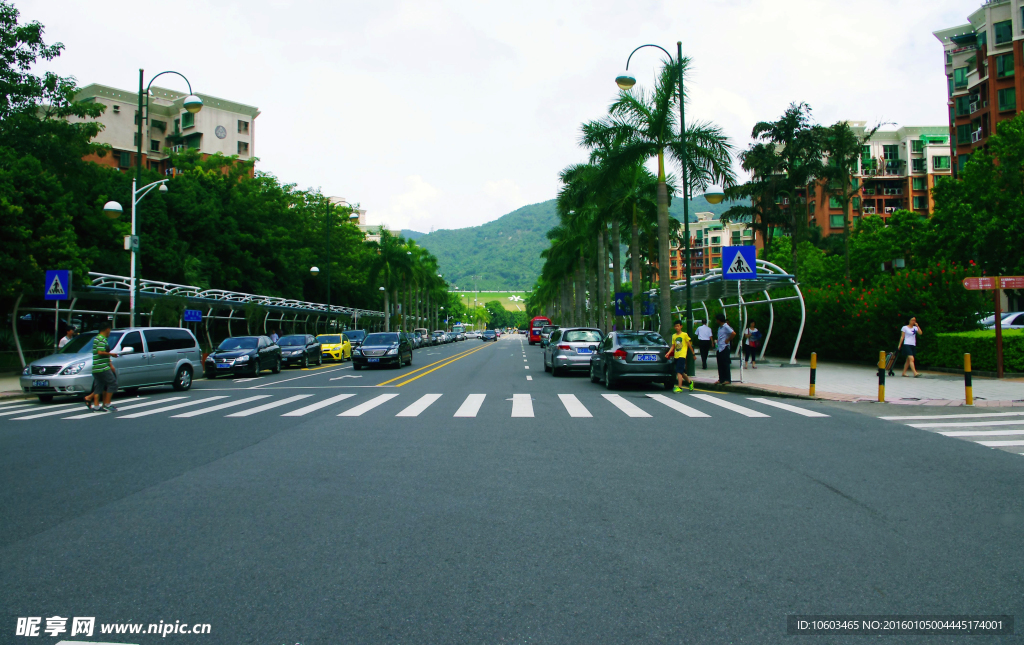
[
  {"x": 383, "y": 348},
  {"x": 301, "y": 350},
  {"x": 241, "y": 355},
  {"x": 632, "y": 356},
  {"x": 489, "y": 335}
]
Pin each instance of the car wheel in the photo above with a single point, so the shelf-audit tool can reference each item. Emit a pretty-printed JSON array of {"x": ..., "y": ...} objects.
[
  {"x": 319, "y": 359},
  {"x": 256, "y": 367},
  {"x": 356, "y": 366},
  {"x": 276, "y": 369},
  {"x": 609, "y": 380},
  {"x": 45, "y": 398},
  {"x": 554, "y": 369},
  {"x": 131, "y": 391},
  {"x": 210, "y": 375},
  {"x": 410, "y": 359},
  {"x": 547, "y": 368},
  {"x": 594, "y": 377},
  {"x": 305, "y": 362},
  {"x": 183, "y": 379}
]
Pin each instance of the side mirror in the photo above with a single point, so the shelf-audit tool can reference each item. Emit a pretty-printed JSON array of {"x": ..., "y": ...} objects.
[{"x": 126, "y": 350}]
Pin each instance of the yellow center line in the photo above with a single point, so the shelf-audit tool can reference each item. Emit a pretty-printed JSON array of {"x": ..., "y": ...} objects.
[
  {"x": 440, "y": 366},
  {"x": 399, "y": 378}
]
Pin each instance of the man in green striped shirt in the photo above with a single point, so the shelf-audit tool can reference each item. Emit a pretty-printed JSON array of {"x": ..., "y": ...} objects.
[{"x": 104, "y": 377}]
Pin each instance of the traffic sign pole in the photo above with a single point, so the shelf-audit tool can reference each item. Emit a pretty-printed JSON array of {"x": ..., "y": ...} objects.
[{"x": 999, "y": 330}]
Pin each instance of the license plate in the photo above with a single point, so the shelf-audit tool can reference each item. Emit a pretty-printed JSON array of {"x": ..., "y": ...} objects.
[
  {"x": 373, "y": 360},
  {"x": 40, "y": 384},
  {"x": 645, "y": 357},
  {"x": 583, "y": 350},
  {"x": 223, "y": 366}
]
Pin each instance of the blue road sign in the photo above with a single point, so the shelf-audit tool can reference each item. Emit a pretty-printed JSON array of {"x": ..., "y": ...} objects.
[
  {"x": 193, "y": 315},
  {"x": 58, "y": 285},
  {"x": 739, "y": 262},
  {"x": 624, "y": 304}
]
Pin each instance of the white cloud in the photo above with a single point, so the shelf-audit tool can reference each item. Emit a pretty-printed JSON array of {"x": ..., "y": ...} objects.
[{"x": 413, "y": 207}]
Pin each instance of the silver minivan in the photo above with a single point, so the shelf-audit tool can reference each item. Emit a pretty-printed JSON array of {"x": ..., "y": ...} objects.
[{"x": 147, "y": 356}]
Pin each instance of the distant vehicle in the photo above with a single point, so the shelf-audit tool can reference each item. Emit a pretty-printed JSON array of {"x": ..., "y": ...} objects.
[
  {"x": 571, "y": 348},
  {"x": 147, "y": 356},
  {"x": 383, "y": 348},
  {"x": 460, "y": 337},
  {"x": 489, "y": 335},
  {"x": 300, "y": 349},
  {"x": 334, "y": 347},
  {"x": 439, "y": 337},
  {"x": 424, "y": 336},
  {"x": 1011, "y": 320},
  {"x": 536, "y": 324},
  {"x": 632, "y": 355},
  {"x": 472, "y": 334},
  {"x": 355, "y": 336},
  {"x": 459, "y": 328},
  {"x": 244, "y": 355},
  {"x": 545, "y": 334}
]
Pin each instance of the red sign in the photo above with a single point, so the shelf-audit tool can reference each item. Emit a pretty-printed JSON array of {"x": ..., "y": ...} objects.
[
  {"x": 1012, "y": 282},
  {"x": 976, "y": 284},
  {"x": 1002, "y": 282}
]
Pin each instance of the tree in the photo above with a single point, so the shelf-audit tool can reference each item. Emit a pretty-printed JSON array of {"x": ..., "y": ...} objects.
[{"x": 387, "y": 266}]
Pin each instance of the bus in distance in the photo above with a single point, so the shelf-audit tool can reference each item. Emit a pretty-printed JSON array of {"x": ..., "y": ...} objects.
[{"x": 536, "y": 323}]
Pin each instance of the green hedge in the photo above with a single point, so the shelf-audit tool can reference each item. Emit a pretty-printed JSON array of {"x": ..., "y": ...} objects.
[{"x": 947, "y": 350}]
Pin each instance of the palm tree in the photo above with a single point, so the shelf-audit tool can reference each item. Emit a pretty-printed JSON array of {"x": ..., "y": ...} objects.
[
  {"x": 388, "y": 265},
  {"x": 646, "y": 123}
]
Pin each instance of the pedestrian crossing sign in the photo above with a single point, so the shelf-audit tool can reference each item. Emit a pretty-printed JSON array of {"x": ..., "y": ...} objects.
[
  {"x": 58, "y": 285},
  {"x": 739, "y": 262}
]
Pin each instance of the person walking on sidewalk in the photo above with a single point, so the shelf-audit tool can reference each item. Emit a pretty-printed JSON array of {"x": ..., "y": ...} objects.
[
  {"x": 704, "y": 335},
  {"x": 680, "y": 345},
  {"x": 104, "y": 378},
  {"x": 724, "y": 350},
  {"x": 751, "y": 341},
  {"x": 908, "y": 341}
]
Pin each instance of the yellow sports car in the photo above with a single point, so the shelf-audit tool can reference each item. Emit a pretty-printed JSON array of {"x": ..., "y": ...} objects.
[{"x": 335, "y": 347}]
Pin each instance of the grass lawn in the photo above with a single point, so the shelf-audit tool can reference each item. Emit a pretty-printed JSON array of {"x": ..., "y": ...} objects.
[{"x": 503, "y": 298}]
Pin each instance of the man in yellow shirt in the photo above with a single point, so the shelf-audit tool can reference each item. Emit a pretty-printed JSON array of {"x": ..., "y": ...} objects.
[{"x": 680, "y": 345}]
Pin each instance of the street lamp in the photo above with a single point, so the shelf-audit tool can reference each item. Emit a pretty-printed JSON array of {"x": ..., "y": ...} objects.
[
  {"x": 714, "y": 194},
  {"x": 315, "y": 271}
]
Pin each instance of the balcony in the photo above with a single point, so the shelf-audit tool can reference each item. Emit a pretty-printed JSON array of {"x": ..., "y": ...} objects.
[{"x": 868, "y": 210}]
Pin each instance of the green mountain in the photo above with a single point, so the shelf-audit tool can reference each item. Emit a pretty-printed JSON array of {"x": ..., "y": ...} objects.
[{"x": 504, "y": 254}]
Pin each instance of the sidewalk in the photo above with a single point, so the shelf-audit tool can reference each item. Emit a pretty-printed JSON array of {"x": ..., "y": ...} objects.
[{"x": 847, "y": 382}]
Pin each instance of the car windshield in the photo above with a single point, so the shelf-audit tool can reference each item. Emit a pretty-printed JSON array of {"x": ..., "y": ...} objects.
[
  {"x": 329, "y": 340},
  {"x": 439, "y": 333},
  {"x": 232, "y": 344},
  {"x": 582, "y": 336},
  {"x": 548, "y": 329},
  {"x": 381, "y": 339},
  {"x": 291, "y": 340},
  {"x": 83, "y": 344},
  {"x": 355, "y": 334},
  {"x": 640, "y": 340},
  {"x": 488, "y": 333}
]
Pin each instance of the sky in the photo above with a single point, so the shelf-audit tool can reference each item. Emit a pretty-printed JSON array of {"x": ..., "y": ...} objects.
[{"x": 437, "y": 115}]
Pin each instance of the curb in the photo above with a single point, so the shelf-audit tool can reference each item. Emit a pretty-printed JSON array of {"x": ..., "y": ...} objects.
[{"x": 748, "y": 389}]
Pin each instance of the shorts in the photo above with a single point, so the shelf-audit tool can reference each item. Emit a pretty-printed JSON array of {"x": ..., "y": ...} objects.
[
  {"x": 681, "y": 365},
  {"x": 105, "y": 381},
  {"x": 908, "y": 350}
]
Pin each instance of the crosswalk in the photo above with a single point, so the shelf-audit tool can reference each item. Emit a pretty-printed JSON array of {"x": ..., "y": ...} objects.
[
  {"x": 518, "y": 406},
  {"x": 1007, "y": 431}
]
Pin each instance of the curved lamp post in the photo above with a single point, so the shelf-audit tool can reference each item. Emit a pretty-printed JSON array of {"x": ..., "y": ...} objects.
[{"x": 714, "y": 194}]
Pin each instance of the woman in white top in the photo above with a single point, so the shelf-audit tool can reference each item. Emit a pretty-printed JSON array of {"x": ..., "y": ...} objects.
[{"x": 908, "y": 342}]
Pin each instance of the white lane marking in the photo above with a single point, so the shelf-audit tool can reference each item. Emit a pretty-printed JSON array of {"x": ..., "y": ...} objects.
[
  {"x": 15, "y": 401},
  {"x": 574, "y": 407},
  {"x": 363, "y": 408},
  {"x": 677, "y": 406},
  {"x": 747, "y": 412},
  {"x": 786, "y": 406},
  {"x": 125, "y": 408},
  {"x": 527, "y": 366},
  {"x": 219, "y": 406},
  {"x": 41, "y": 406},
  {"x": 522, "y": 406},
  {"x": 982, "y": 433},
  {"x": 269, "y": 406},
  {"x": 19, "y": 409},
  {"x": 171, "y": 407},
  {"x": 626, "y": 406},
  {"x": 295, "y": 378},
  {"x": 50, "y": 413},
  {"x": 337, "y": 378},
  {"x": 529, "y": 378},
  {"x": 997, "y": 444},
  {"x": 317, "y": 406},
  {"x": 954, "y": 416},
  {"x": 419, "y": 406},
  {"x": 470, "y": 406},
  {"x": 964, "y": 424}
]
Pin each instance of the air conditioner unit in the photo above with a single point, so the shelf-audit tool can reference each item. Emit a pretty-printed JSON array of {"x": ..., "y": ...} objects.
[
  {"x": 976, "y": 136},
  {"x": 974, "y": 108}
]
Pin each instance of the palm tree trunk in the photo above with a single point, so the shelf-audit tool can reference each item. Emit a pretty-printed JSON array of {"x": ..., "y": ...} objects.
[
  {"x": 591, "y": 281},
  {"x": 664, "y": 286},
  {"x": 602, "y": 276},
  {"x": 387, "y": 319},
  {"x": 616, "y": 262},
  {"x": 566, "y": 288},
  {"x": 580, "y": 293},
  {"x": 634, "y": 260}
]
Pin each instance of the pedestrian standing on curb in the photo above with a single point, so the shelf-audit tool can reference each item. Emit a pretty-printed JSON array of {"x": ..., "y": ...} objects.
[
  {"x": 724, "y": 350},
  {"x": 67, "y": 338},
  {"x": 704, "y": 336},
  {"x": 274, "y": 336},
  {"x": 908, "y": 342},
  {"x": 104, "y": 378},
  {"x": 751, "y": 341},
  {"x": 680, "y": 345}
]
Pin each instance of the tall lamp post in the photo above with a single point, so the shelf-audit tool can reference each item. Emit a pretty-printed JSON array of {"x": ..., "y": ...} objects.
[{"x": 714, "y": 194}]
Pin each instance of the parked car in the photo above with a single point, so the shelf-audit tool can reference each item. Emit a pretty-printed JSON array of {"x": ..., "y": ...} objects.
[
  {"x": 489, "y": 335},
  {"x": 147, "y": 356},
  {"x": 632, "y": 355},
  {"x": 383, "y": 348},
  {"x": 1011, "y": 320},
  {"x": 424, "y": 336},
  {"x": 472, "y": 335},
  {"x": 571, "y": 348},
  {"x": 438, "y": 337},
  {"x": 334, "y": 347},
  {"x": 302, "y": 350},
  {"x": 460, "y": 337},
  {"x": 240, "y": 355},
  {"x": 545, "y": 334}
]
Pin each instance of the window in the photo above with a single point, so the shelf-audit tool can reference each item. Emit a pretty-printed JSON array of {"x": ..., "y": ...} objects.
[
  {"x": 835, "y": 221},
  {"x": 920, "y": 203},
  {"x": 673, "y": 263},
  {"x": 834, "y": 184},
  {"x": 159, "y": 125},
  {"x": 187, "y": 120},
  {"x": 177, "y": 125},
  {"x": 716, "y": 240},
  {"x": 748, "y": 233},
  {"x": 961, "y": 161},
  {"x": 672, "y": 252},
  {"x": 917, "y": 165},
  {"x": 865, "y": 153},
  {"x": 917, "y": 146},
  {"x": 243, "y": 147},
  {"x": 919, "y": 183},
  {"x": 135, "y": 139},
  {"x": 124, "y": 160},
  {"x": 949, "y": 86},
  {"x": 833, "y": 202},
  {"x": 735, "y": 237},
  {"x": 1004, "y": 31},
  {"x": 1007, "y": 99},
  {"x": 243, "y": 127},
  {"x": 812, "y": 204},
  {"x": 194, "y": 141},
  {"x": 1004, "y": 65},
  {"x": 856, "y": 203},
  {"x": 959, "y": 77},
  {"x": 940, "y": 163},
  {"x": 963, "y": 134},
  {"x": 154, "y": 145},
  {"x": 133, "y": 340},
  {"x": 891, "y": 152},
  {"x": 854, "y": 184}
]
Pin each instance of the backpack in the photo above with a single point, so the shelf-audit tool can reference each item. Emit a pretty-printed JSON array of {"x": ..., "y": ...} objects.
[{"x": 754, "y": 340}]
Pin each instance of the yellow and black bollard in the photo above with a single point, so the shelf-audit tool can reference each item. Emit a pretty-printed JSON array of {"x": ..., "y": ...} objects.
[
  {"x": 881, "y": 377},
  {"x": 814, "y": 369},
  {"x": 968, "y": 388}
]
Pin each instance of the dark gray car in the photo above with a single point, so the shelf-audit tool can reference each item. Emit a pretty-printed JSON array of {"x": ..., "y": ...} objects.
[
  {"x": 632, "y": 356},
  {"x": 571, "y": 348},
  {"x": 383, "y": 348}
]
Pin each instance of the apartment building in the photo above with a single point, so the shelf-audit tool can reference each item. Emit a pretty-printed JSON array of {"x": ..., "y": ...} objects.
[
  {"x": 708, "y": 234},
  {"x": 222, "y": 126},
  {"x": 984, "y": 62}
]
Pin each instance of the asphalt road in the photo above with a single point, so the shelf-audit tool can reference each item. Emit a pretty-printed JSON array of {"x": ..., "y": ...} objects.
[{"x": 473, "y": 498}]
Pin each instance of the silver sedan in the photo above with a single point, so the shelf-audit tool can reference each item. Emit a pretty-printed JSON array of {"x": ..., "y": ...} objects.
[{"x": 570, "y": 348}]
